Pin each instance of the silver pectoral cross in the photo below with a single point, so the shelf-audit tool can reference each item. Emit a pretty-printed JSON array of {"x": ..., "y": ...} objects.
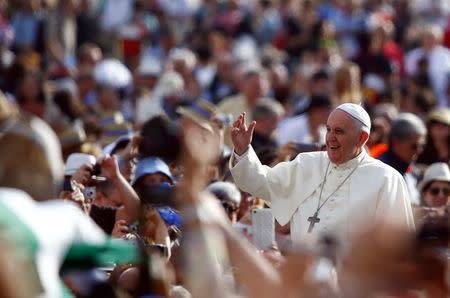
[{"x": 313, "y": 220}]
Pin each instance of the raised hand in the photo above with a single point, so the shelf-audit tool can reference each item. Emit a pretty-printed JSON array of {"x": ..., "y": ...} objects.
[
  {"x": 109, "y": 167},
  {"x": 83, "y": 174},
  {"x": 120, "y": 229},
  {"x": 241, "y": 135},
  {"x": 201, "y": 146}
]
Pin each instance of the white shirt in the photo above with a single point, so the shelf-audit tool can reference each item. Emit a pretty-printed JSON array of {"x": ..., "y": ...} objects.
[
  {"x": 374, "y": 192},
  {"x": 116, "y": 13},
  {"x": 438, "y": 69},
  {"x": 297, "y": 130}
]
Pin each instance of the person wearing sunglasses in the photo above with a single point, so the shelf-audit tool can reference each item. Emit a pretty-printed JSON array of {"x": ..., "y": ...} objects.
[{"x": 435, "y": 186}]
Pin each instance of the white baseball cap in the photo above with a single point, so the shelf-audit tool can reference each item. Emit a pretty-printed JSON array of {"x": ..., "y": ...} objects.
[{"x": 76, "y": 160}]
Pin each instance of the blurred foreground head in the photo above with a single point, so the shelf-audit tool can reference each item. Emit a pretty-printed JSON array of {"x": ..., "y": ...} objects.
[
  {"x": 389, "y": 261},
  {"x": 30, "y": 157}
]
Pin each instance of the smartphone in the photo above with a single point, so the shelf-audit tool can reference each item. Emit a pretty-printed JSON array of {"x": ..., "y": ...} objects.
[{"x": 263, "y": 227}]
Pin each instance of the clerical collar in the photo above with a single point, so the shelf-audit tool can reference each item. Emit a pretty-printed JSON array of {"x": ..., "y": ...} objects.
[{"x": 352, "y": 163}]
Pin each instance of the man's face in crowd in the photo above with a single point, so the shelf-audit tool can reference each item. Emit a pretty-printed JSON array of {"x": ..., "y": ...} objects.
[
  {"x": 343, "y": 138},
  {"x": 256, "y": 86},
  {"x": 409, "y": 149}
]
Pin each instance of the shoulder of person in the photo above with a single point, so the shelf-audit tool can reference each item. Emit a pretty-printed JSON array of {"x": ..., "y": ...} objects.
[
  {"x": 314, "y": 156},
  {"x": 380, "y": 168},
  {"x": 229, "y": 101},
  {"x": 297, "y": 121}
]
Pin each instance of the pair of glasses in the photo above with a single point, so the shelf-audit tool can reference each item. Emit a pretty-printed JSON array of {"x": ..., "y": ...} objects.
[{"x": 436, "y": 190}]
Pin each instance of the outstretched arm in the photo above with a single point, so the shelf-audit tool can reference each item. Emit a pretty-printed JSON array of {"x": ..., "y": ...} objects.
[{"x": 130, "y": 201}]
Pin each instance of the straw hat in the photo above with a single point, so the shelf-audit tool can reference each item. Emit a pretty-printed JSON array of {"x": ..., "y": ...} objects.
[
  {"x": 438, "y": 171},
  {"x": 441, "y": 115}
]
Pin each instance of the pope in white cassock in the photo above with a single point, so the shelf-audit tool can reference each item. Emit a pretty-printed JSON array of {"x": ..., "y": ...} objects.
[{"x": 335, "y": 192}]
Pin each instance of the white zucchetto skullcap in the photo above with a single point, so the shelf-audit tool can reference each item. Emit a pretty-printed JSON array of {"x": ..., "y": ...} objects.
[{"x": 357, "y": 112}]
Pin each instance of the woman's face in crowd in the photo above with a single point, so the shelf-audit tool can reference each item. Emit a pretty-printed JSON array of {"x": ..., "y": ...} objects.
[
  {"x": 437, "y": 194},
  {"x": 439, "y": 131},
  {"x": 30, "y": 87}
]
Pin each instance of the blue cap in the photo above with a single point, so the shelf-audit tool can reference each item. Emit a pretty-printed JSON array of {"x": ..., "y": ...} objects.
[{"x": 151, "y": 165}]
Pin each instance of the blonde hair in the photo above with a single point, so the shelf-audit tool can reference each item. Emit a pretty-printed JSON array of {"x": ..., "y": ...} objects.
[
  {"x": 24, "y": 166},
  {"x": 30, "y": 158},
  {"x": 347, "y": 84}
]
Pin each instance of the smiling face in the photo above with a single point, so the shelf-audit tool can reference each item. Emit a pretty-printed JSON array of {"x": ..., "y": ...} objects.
[
  {"x": 344, "y": 137},
  {"x": 437, "y": 194}
]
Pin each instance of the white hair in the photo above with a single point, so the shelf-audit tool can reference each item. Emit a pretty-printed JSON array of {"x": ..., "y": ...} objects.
[
  {"x": 226, "y": 191},
  {"x": 168, "y": 84},
  {"x": 434, "y": 31},
  {"x": 185, "y": 55}
]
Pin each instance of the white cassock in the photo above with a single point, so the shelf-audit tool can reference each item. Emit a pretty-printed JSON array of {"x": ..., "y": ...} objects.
[{"x": 374, "y": 192}]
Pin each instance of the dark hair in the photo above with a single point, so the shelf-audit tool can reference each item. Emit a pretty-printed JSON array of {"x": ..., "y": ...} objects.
[
  {"x": 320, "y": 75},
  {"x": 65, "y": 102},
  {"x": 404, "y": 127},
  {"x": 425, "y": 100},
  {"x": 430, "y": 154},
  {"x": 319, "y": 101},
  {"x": 120, "y": 145},
  {"x": 267, "y": 155},
  {"x": 19, "y": 92},
  {"x": 160, "y": 138}
]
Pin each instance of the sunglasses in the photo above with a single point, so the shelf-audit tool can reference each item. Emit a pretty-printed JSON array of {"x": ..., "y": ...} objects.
[
  {"x": 436, "y": 190},
  {"x": 417, "y": 146}
]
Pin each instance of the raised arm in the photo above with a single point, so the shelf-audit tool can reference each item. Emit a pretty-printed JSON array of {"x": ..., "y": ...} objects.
[
  {"x": 130, "y": 201},
  {"x": 260, "y": 278}
]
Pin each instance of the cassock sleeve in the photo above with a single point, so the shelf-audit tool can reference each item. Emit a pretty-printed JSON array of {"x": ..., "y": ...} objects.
[
  {"x": 276, "y": 185},
  {"x": 394, "y": 206}
]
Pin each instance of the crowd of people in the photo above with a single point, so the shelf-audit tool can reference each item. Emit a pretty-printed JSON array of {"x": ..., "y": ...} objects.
[{"x": 233, "y": 148}]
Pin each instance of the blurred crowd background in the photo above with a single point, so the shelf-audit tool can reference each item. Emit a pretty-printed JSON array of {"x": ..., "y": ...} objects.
[{"x": 113, "y": 99}]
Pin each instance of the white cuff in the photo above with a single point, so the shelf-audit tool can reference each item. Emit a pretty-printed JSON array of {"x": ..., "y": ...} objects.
[
  {"x": 238, "y": 157},
  {"x": 235, "y": 158}
]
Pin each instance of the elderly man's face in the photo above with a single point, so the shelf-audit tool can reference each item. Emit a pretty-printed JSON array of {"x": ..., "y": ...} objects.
[
  {"x": 343, "y": 137},
  {"x": 409, "y": 149}
]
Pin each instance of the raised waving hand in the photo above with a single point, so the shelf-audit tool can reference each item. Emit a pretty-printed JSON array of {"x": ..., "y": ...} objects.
[{"x": 241, "y": 135}]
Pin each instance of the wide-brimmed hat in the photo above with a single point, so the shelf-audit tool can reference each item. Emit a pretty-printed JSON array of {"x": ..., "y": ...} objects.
[
  {"x": 438, "y": 171},
  {"x": 441, "y": 115}
]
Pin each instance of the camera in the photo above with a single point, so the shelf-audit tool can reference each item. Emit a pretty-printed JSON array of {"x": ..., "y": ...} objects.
[{"x": 89, "y": 193}]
